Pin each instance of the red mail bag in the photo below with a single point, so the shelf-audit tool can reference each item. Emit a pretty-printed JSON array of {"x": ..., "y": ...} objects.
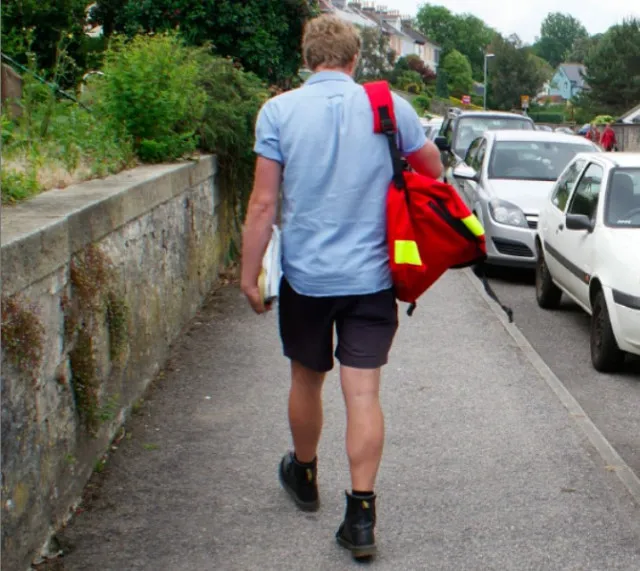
[{"x": 429, "y": 227}]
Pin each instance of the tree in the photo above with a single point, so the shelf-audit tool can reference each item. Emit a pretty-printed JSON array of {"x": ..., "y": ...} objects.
[
  {"x": 473, "y": 38},
  {"x": 264, "y": 36},
  {"x": 613, "y": 68},
  {"x": 465, "y": 33},
  {"x": 439, "y": 24},
  {"x": 43, "y": 23},
  {"x": 458, "y": 70},
  {"x": 514, "y": 72},
  {"x": 558, "y": 33},
  {"x": 581, "y": 48},
  {"x": 376, "y": 56},
  {"x": 442, "y": 87}
]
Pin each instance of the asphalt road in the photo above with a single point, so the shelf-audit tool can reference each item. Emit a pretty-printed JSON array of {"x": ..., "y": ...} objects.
[{"x": 561, "y": 337}]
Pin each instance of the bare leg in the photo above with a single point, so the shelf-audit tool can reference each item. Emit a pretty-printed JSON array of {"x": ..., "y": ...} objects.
[
  {"x": 305, "y": 410},
  {"x": 365, "y": 425}
]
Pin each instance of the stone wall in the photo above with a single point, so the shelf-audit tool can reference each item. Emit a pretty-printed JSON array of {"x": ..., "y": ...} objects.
[{"x": 98, "y": 280}]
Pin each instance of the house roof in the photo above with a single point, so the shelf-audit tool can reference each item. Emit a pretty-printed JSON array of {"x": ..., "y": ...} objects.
[
  {"x": 573, "y": 72},
  {"x": 417, "y": 36},
  {"x": 631, "y": 116}
]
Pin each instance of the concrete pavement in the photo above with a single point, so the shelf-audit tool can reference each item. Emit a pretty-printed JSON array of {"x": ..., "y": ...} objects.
[{"x": 484, "y": 468}]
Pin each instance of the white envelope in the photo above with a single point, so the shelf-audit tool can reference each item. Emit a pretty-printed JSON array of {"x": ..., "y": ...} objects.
[{"x": 269, "y": 280}]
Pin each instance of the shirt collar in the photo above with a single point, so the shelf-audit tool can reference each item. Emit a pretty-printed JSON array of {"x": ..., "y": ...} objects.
[{"x": 327, "y": 75}]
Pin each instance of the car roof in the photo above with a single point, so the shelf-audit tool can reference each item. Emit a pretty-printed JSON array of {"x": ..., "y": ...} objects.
[
  {"x": 623, "y": 160},
  {"x": 522, "y": 135},
  {"x": 492, "y": 114}
]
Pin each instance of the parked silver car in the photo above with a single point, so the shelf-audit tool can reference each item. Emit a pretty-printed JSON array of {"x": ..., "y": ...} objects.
[{"x": 505, "y": 178}]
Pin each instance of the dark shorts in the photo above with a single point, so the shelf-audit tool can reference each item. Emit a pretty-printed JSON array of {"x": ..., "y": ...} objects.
[{"x": 365, "y": 327}]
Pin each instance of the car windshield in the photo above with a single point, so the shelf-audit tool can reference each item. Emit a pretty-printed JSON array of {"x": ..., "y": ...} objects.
[
  {"x": 533, "y": 160},
  {"x": 470, "y": 128},
  {"x": 623, "y": 199}
]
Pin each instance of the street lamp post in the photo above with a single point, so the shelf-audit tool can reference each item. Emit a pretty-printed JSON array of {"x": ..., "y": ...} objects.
[{"x": 486, "y": 57}]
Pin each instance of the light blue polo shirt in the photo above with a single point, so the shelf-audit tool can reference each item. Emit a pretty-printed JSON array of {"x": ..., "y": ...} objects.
[{"x": 336, "y": 172}]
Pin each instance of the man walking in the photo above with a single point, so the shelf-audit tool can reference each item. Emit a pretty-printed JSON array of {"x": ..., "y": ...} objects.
[{"x": 318, "y": 141}]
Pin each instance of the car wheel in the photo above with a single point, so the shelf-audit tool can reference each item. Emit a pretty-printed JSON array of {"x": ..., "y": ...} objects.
[
  {"x": 606, "y": 356},
  {"x": 548, "y": 294}
]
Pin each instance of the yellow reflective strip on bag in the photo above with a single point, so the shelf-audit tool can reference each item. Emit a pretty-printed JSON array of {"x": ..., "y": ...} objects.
[
  {"x": 406, "y": 252},
  {"x": 474, "y": 225}
]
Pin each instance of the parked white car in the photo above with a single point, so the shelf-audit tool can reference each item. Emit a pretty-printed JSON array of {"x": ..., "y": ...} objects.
[
  {"x": 505, "y": 179},
  {"x": 431, "y": 126},
  {"x": 588, "y": 242}
]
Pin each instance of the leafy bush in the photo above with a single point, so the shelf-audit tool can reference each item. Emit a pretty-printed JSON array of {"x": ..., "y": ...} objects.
[
  {"x": 17, "y": 186},
  {"x": 603, "y": 119},
  {"x": 55, "y": 143},
  {"x": 459, "y": 75},
  {"x": 152, "y": 87},
  {"x": 411, "y": 79},
  {"x": 421, "y": 103},
  {"x": 234, "y": 98},
  {"x": 547, "y": 117}
]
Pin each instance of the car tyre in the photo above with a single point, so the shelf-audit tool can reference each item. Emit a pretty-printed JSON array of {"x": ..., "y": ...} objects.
[
  {"x": 606, "y": 356},
  {"x": 548, "y": 294}
]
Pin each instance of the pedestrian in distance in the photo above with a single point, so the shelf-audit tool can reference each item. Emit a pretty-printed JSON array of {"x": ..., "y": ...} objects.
[
  {"x": 318, "y": 143},
  {"x": 593, "y": 134},
  {"x": 608, "y": 140}
]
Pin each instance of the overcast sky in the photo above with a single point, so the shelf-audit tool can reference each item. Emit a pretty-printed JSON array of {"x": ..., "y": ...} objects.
[{"x": 524, "y": 17}]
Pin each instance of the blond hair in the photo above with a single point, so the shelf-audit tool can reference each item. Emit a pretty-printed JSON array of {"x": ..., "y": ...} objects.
[{"x": 330, "y": 42}]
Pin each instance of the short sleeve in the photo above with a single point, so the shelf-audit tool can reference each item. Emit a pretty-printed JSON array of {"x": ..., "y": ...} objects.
[
  {"x": 412, "y": 137},
  {"x": 267, "y": 133}
]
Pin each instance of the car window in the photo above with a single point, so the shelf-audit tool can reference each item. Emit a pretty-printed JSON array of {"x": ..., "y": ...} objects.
[
  {"x": 623, "y": 199},
  {"x": 565, "y": 184},
  {"x": 585, "y": 198},
  {"x": 542, "y": 160},
  {"x": 471, "y": 152},
  {"x": 479, "y": 158},
  {"x": 470, "y": 128}
]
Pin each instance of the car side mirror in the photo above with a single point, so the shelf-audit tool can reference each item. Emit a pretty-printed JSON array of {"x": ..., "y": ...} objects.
[
  {"x": 442, "y": 143},
  {"x": 579, "y": 222},
  {"x": 467, "y": 174}
]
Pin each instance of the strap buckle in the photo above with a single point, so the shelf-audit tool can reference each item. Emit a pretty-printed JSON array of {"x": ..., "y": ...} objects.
[{"x": 387, "y": 126}]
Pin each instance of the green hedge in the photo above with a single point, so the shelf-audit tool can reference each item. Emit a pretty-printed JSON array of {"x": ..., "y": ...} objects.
[{"x": 547, "y": 117}]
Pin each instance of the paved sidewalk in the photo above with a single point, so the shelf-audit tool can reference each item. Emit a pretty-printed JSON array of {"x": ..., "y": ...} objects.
[{"x": 484, "y": 469}]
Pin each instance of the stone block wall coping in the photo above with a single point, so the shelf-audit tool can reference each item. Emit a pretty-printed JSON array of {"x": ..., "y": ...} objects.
[{"x": 42, "y": 234}]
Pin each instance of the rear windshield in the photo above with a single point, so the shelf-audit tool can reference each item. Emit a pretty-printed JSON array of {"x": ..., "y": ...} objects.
[
  {"x": 534, "y": 160},
  {"x": 470, "y": 128}
]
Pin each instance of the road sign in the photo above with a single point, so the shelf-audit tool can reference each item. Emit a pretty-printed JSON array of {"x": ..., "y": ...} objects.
[
  {"x": 466, "y": 99},
  {"x": 524, "y": 101}
]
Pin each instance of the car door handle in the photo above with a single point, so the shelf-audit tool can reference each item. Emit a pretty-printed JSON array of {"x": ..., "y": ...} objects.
[{"x": 560, "y": 227}]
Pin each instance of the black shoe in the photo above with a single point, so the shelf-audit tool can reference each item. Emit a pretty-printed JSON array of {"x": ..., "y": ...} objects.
[
  {"x": 356, "y": 531},
  {"x": 299, "y": 480}
]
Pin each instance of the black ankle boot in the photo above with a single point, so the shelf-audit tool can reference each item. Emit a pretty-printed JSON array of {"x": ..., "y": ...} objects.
[
  {"x": 299, "y": 480},
  {"x": 356, "y": 531}
]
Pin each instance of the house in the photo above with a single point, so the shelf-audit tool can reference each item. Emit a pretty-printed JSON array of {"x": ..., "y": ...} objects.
[
  {"x": 349, "y": 12},
  {"x": 428, "y": 52},
  {"x": 404, "y": 39},
  {"x": 631, "y": 116},
  {"x": 567, "y": 82}
]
